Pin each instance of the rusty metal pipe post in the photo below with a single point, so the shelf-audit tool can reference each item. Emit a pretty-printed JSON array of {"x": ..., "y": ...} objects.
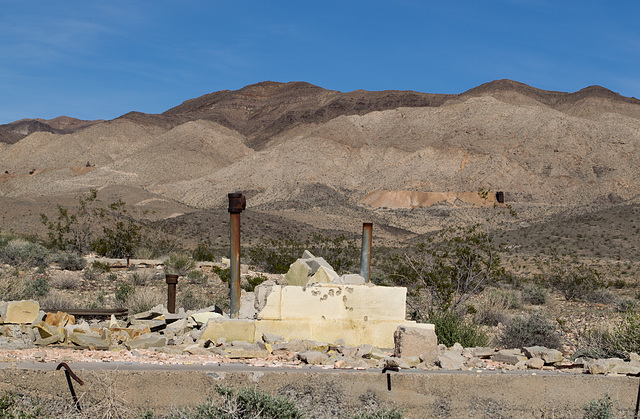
[
  {"x": 237, "y": 203},
  {"x": 365, "y": 258},
  {"x": 172, "y": 281}
]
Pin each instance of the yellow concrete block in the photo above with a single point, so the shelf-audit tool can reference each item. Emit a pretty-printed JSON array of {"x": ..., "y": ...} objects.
[
  {"x": 343, "y": 302},
  {"x": 230, "y": 329},
  {"x": 312, "y": 303},
  {"x": 289, "y": 329},
  {"x": 273, "y": 308}
]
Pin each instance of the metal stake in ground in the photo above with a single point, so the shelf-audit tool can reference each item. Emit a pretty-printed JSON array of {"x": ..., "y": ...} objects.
[
  {"x": 237, "y": 203},
  {"x": 365, "y": 258}
]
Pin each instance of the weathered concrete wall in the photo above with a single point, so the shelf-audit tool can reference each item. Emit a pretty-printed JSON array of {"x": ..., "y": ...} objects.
[
  {"x": 356, "y": 314},
  {"x": 332, "y": 393}
]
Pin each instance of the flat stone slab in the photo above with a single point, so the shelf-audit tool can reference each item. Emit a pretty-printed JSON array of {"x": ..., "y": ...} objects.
[{"x": 19, "y": 312}]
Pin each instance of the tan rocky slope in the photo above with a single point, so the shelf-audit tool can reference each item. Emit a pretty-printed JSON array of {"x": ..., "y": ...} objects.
[{"x": 285, "y": 144}]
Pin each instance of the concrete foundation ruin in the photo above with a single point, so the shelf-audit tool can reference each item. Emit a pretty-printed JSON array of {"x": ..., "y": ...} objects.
[{"x": 344, "y": 309}]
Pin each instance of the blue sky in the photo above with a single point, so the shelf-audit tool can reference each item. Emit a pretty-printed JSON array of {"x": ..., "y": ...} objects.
[{"x": 101, "y": 59}]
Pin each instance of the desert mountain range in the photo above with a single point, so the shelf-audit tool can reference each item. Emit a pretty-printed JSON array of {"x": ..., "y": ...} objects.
[{"x": 311, "y": 158}]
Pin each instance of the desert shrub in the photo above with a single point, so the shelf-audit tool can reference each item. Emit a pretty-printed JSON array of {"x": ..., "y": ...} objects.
[
  {"x": 191, "y": 301},
  {"x": 100, "y": 267},
  {"x": 112, "y": 277},
  {"x": 24, "y": 253},
  {"x": 179, "y": 264},
  {"x": 143, "y": 299},
  {"x": 38, "y": 286},
  {"x": 70, "y": 261},
  {"x": 275, "y": 256},
  {"x": 380, "y": 413},
  {"x": 490, "y": 310},
  {"x": 572, "y": 279},
  {"x": 203, "y": 252},
  {"x": 56, "y": 301},
  {"x": 599, "y": 409},
  {"x": 197, "y": 277},
  {"x": 530, "y": 330},
  {"x": 123, "y": 290},
  {"x": 13, "y": 406},
  {"x": 247, "y": 402},
  {"x": 535, "y": 294},
  {"x": 342, "y": 253},
  {"x": 5, "y": 238},
  {"x": 626, "y": 305},
  {"x": 452, "y": 328},
  {"x": 250, "y": 283},
  {"x": 13, "y": 288},
  {"x": 64, "y": 281},
  {"x": 448, "y": 269},
  {"x": 617, "y": 283},
  {"x": 90, "y": 274},
  {"x": 223, "y": 274},
  {"x": 139, "y": 278},
  {"x": 617, "y": 340},
  {"x": 121, "y": 235}
]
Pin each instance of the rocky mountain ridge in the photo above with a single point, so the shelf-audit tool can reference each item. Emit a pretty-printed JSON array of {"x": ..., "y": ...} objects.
[{"x": 312, "y": 155}]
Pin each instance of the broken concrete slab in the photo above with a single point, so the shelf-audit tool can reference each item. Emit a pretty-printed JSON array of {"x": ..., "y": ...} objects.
[
  {"x": 350, "y": 279},
  {"x": 203, "y": 318},
  {"x": 298, "y": 273},
  {"x": 419, "y": 340},
  {"x": 96, "y": 342},
  {"x": 151, "y": 341},
  {"x": 59, "y": 319},
  {"x": 323, "y": 275},
  {"x": 19, "y": 312},
  {"x": 316, "y": 263},
  {"x": 450, "y": 360},
  {"x": 312, "y": 357},
  {"x": 509, "y": 356},
  {"x": 550, "y": 356}
]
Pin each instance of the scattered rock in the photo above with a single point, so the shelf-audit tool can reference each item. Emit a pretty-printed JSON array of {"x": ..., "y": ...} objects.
[
  {"x": 416, "y": 341},
  {"x": 550, "y": 356},
  {"x": 19, "y": 312}
]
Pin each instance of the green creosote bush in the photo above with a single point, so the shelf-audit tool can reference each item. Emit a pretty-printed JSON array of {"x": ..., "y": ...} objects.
[
  {"x": 451, "y": 328},
  {"x": 529, "y": 330},
  {"x": 448, "y": 269},
  {"x": 574, "y": 280},
  {"x": 276, "y": 255},
  {"x": 38, "y": 286},
  {"x": 123, "y": 290},
  {"x": 24, "y": 253},
  {"x": 223, "y": 273},
  {"x": 251, "y": 282},
  {"x": 244, "y": 403},
  {"x": 179, "y": 264},
  {"x": 599, "y": 409},
  {"x": 100, "y": 267},
  {"x": 535, "y": 294},
  {"x": 197, "y": 277},
  {"x": 204, "y": 252},
  {"x": 70, "y": 261}
]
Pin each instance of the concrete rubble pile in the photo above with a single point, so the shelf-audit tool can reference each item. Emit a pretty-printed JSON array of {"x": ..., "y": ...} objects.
[{"x": 23, "y": 325}]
